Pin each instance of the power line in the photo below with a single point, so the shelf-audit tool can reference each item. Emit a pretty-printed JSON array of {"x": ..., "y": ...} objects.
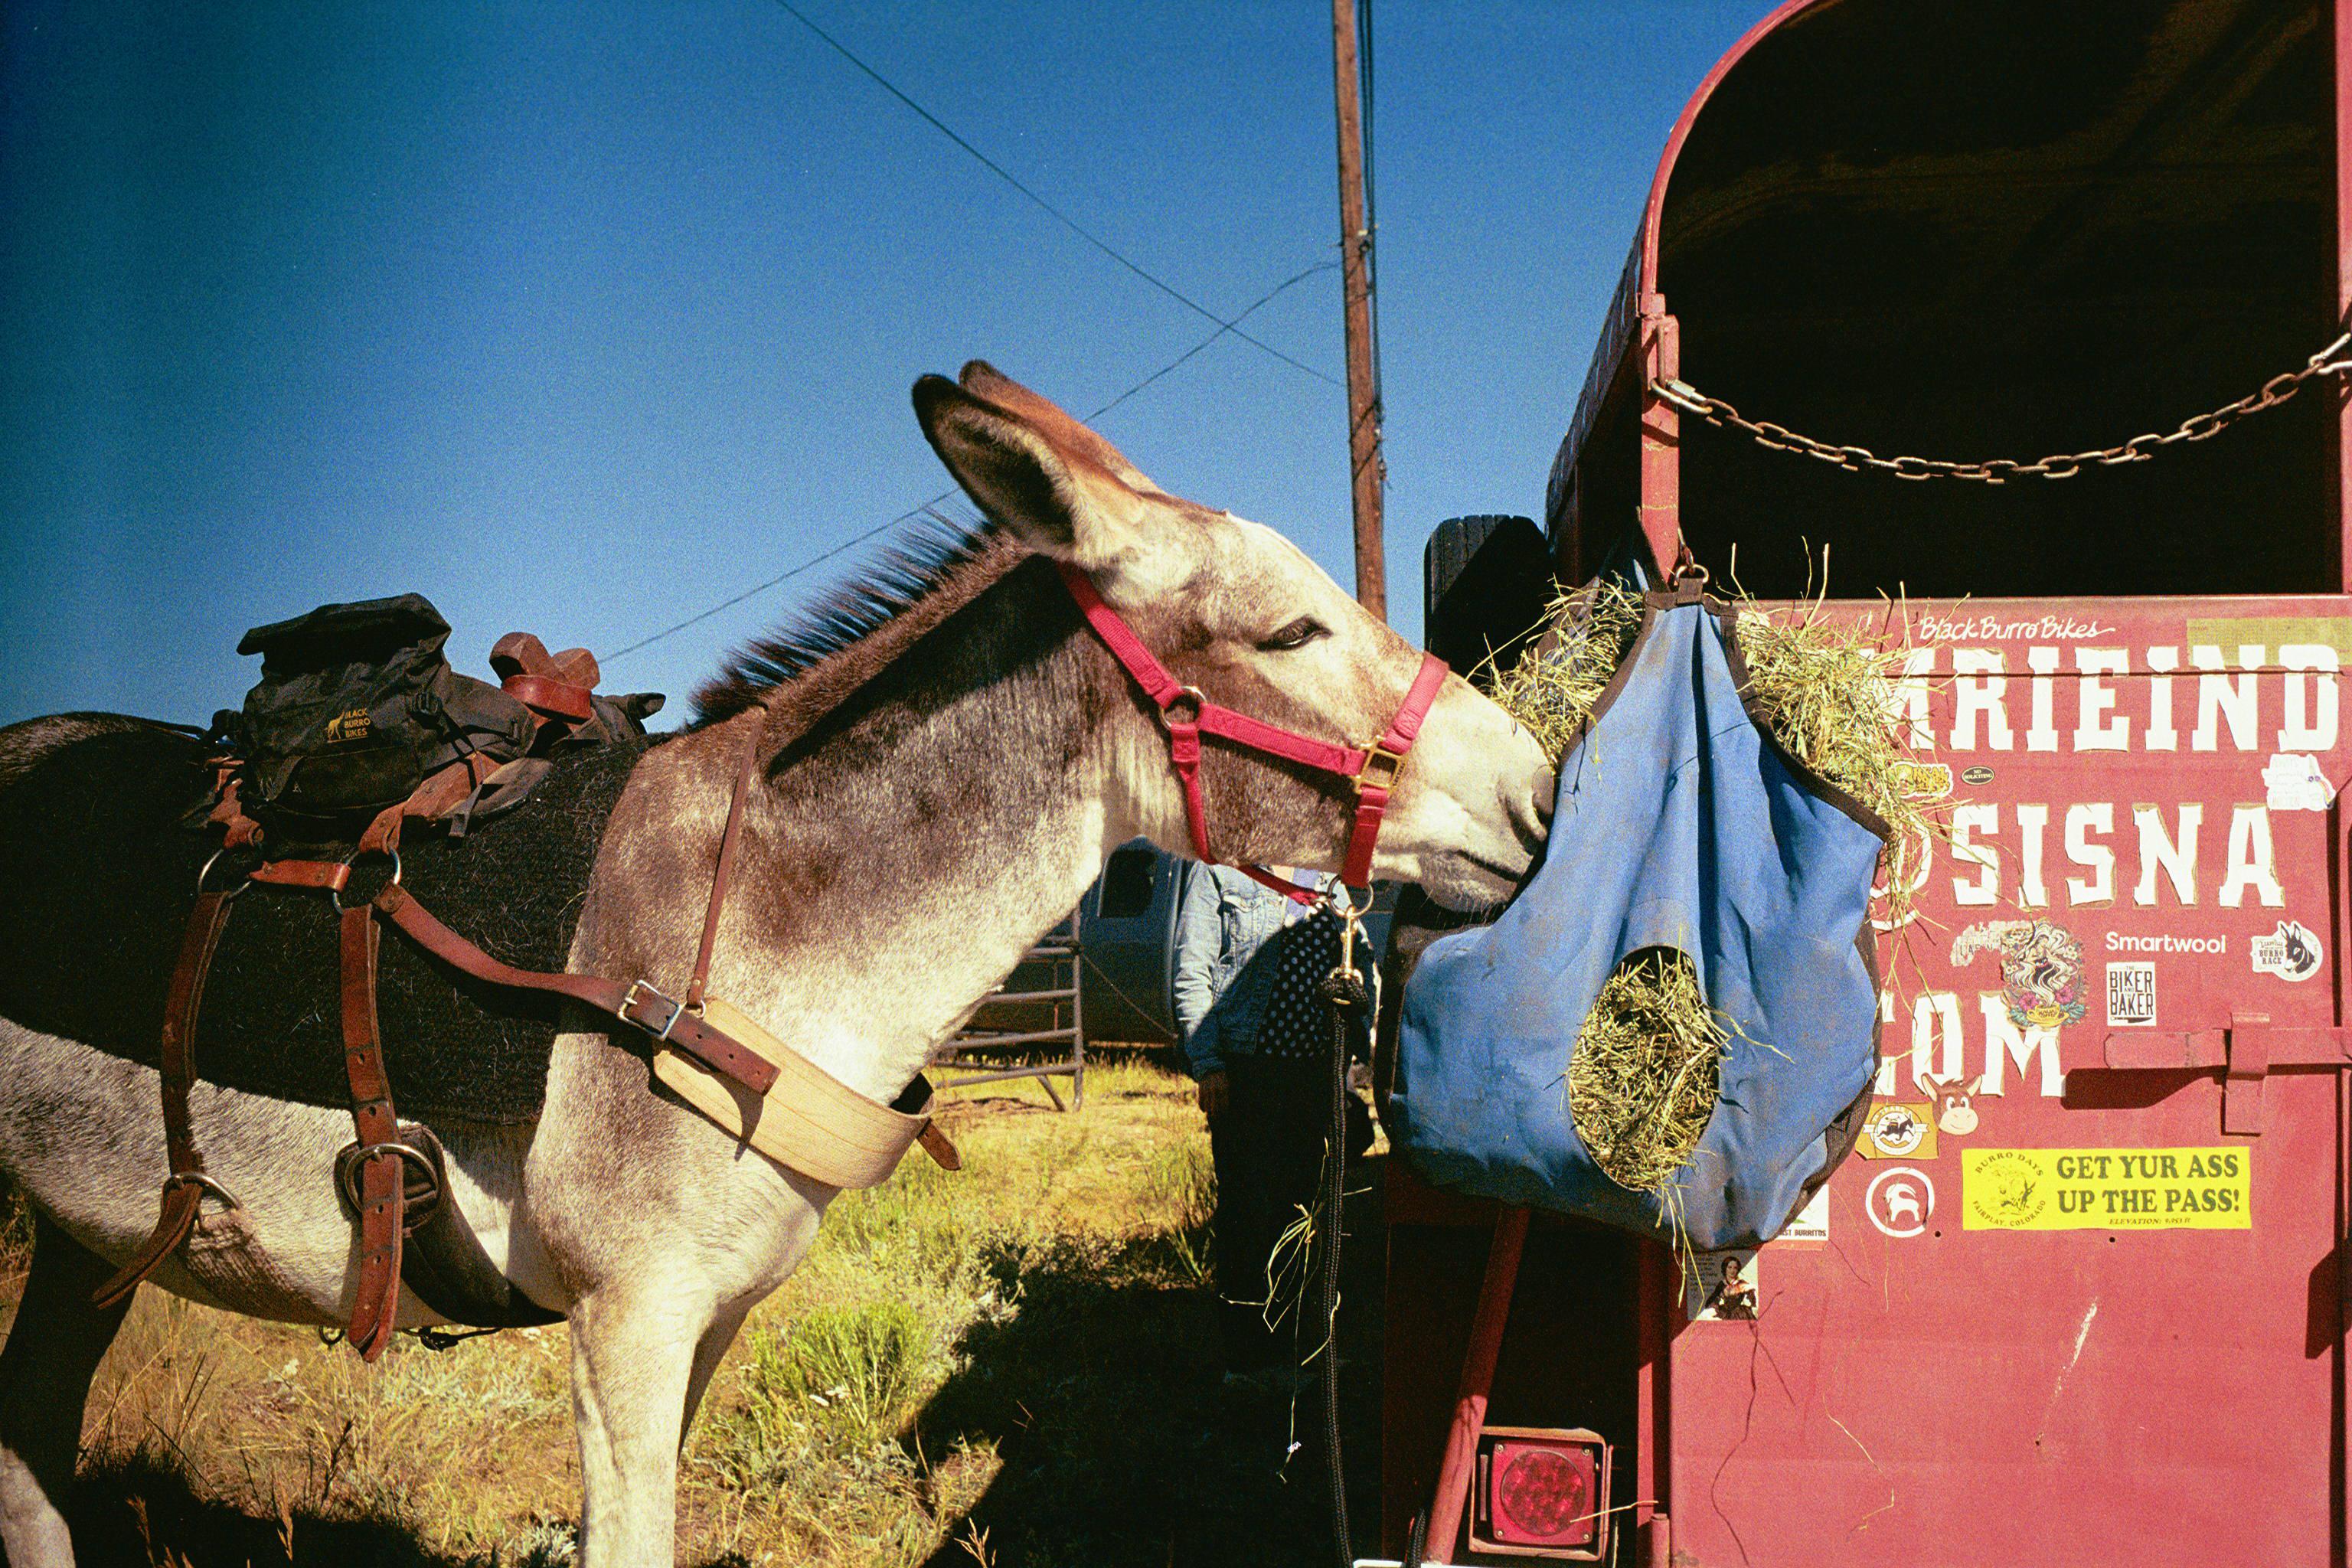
[
  {"x": 1065, "y": 219},
  {"x": 911, "y": 514},
  {"x": 1264, "y": 299},
  {"x": 758, "y": 588}
]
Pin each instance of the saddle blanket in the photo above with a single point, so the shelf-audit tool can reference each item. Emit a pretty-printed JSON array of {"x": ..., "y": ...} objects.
[{"x": 99, "y": 873}]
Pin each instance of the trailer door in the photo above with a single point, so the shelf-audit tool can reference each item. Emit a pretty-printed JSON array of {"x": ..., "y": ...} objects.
[{"x": 2080, "y": 1297}]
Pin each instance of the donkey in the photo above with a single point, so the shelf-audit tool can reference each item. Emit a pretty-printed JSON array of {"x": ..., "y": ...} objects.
[{"x": 947, "y": 758}]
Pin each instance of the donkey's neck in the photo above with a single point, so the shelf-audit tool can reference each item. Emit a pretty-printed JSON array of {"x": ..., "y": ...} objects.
[{"x": 909, "y": 849}]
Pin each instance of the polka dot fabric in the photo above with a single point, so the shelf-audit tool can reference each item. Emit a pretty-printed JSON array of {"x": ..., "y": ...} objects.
[{"x": 1298, "y": 1022}]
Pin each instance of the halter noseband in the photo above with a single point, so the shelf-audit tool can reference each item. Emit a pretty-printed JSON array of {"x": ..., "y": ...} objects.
[{"x": 1373, "y": 770}]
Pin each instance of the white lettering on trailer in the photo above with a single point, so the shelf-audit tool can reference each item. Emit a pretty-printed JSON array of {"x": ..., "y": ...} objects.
[
  {"x": 2125, "y": 942},
  {"x": 2159, "y": 735},
  {"x": 2083, "y": 819},
  {"x": 2301, "y": 659},
  {"x": 2032, "y": 817},
  {"x": 2041, "y": 731},
  {"x": 2097, "y": 727},
  {"x": 1967, "y": 821},
  {"x": 1982, "y": 629},
  {"x": 1939, "y": 1047},
  {"x": 1979, "y": 686},
  {"x": 2221, "y": 697},
  {"x": 1912, "y": 696},
  {"x": 2003, "y": 1044},
  {"x": 1935, "y": 1021},
  {"x": 2166, "y": 869},
  {"x": 2250, "y": 860},
  {"x": 2230, "y": 685},
  {"x": 2175, "y": 855}
]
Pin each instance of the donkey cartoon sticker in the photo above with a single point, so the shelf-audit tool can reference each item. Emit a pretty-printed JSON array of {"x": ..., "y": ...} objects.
[{"x": 1956, "y": 1111}]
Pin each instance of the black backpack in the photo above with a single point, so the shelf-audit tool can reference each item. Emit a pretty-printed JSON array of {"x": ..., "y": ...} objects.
[{"x": 355, "y": 707}]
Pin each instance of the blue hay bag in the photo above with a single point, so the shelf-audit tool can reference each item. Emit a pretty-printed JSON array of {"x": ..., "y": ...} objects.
[{"x": 1681, "y": 824}]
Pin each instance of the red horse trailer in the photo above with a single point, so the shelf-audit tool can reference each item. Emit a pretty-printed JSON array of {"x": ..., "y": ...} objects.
[{"x": 2080, "y": 1295}]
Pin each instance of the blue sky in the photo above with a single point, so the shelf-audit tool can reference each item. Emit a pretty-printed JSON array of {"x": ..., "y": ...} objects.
[{"x": 581, "y": 317}]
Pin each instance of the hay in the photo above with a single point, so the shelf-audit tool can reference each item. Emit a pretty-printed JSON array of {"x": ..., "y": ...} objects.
[
  {"x": 1554, "y": 688},
  {"x": 1825, "y": 688},
  {"x": 1647, "y": 1067},
  {"x": 1645, "y": 1079}
]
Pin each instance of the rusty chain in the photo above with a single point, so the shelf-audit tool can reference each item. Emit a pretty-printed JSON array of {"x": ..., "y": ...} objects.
[{"x": 1687, "y": 398}]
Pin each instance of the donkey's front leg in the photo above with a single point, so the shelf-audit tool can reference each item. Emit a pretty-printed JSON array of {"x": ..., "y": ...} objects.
[
  {"x": 632, "y": 1362},
  {"x": 54, "y": 1347}
]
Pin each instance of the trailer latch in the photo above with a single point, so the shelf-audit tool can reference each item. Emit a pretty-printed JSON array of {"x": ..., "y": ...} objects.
[
  {"x": 2246, "y": 1052},
  {"x": 2246, "y": 1061}
]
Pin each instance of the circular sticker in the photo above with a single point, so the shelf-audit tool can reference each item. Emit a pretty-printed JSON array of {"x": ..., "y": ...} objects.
[
  {"x": 1899, "y": 1201},
  {"x": 1979, "y": 774},
  {"x": 1897, "y": 1130}
]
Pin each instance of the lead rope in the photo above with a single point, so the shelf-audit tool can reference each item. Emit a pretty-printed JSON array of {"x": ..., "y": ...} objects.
[{"x": 1345, "y": 990}]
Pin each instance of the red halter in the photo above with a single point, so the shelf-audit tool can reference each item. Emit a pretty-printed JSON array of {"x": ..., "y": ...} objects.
[{"x": 1373, "y": 770}]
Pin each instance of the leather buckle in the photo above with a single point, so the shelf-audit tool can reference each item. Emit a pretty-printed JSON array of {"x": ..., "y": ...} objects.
[
  {"x": 630, "y": 1003},
  {"x": 1380, "y": 768},
  {"x": 202, "y": 1183}
]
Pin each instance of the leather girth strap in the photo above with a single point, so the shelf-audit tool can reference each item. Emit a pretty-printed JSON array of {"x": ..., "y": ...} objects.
[
  {"x": 441, "y": 1259},
  {"x": 184, "y": 1188},
  {"x": 383, "y": 1183}
]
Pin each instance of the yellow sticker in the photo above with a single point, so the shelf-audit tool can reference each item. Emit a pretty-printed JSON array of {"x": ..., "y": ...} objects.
[
  {"x": 2106, "y": 1189},
  {"x": 1903, "y": 1130},
  {"x": 351, "y": 724},
  {"x": 2271, "y": 632}
]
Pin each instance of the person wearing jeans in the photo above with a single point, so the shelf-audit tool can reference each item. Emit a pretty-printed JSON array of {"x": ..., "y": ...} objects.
[{"x": 1249, "y": 965}]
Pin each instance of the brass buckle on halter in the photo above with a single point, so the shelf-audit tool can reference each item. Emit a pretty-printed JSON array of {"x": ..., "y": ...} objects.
[{"x": 1380, "y": 768}]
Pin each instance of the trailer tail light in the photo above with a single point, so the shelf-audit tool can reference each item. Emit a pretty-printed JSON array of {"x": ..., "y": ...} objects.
[{"x": 1541, "y": 1492}]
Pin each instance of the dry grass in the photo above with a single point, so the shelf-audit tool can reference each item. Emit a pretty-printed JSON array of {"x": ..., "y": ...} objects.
[
  {"x": 1826, "y": 687},
  {"x": 1555, "y": 686},
  {"x": 1020, "y": 1358},
  {"x": 1648, "y": 1061}
]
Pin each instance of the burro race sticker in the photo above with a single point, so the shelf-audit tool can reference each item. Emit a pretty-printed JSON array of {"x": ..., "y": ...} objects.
[{"x": 2106, "y": 1189}]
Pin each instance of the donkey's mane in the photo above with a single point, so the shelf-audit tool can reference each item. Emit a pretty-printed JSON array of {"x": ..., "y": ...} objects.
[{"x": 846, "y": 638}]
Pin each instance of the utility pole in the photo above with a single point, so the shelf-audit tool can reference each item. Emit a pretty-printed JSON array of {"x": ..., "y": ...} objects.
[{"x": 1356, "y": 287}]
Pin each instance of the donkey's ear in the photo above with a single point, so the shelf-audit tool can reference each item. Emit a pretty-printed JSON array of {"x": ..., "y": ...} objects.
[
  {"x": 1059, "y": 500},
  {"x": 982, "y": 379}
]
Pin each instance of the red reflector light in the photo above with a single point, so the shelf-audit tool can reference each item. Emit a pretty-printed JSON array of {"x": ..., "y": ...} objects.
[
  {"x": 1541, "y": 1492},
  {"x": 1543, "y": 1496}
]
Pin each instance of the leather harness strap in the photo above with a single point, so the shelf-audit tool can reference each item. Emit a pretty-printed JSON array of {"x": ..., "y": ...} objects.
[
  {"x": 382, "y": 1157},
  {"x": 383, "y": 1180},
  {"x": 328, "y": 876},
  {"x": 184, "y": 1188},
  {"x": 745, "y": 776},
  {"x": 636, "y": 1003},
  {"x": 1187, "y": 715}
]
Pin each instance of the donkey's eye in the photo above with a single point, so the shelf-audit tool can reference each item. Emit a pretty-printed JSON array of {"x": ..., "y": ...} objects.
[{"x": 1296, "y": 634}]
